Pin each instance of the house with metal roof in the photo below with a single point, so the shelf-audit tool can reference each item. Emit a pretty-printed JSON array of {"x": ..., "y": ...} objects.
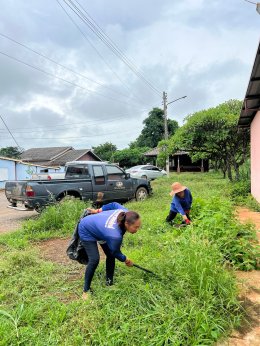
[
  {"x": 13, "y": 169},
  {"x": 57, "y": 156},
  {"x": 250, "y": 118},
  {"x": 180, "y": 161}
]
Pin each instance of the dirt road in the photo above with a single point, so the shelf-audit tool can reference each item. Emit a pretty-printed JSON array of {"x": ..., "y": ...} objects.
[{"x": 11, "y": 219}]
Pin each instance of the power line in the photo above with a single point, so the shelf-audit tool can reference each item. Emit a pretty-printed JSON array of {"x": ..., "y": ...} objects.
[
  {"x": 58, "y": 64},
  {"x": 109, "y": 43},
  {"x": 96, "y": 50},
  {"x": 53, "y": 138},
  {"x": 10, "y": 133},
  {"x": 40, "y": 129},
  {"x": 60, "y": 78}
]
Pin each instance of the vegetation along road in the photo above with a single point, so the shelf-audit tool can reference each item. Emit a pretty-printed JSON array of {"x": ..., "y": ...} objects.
[{"x": 196, "y": 301}]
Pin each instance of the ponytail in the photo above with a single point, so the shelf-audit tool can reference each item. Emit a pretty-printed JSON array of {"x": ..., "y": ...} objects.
[{"x": 130, "y": 217}]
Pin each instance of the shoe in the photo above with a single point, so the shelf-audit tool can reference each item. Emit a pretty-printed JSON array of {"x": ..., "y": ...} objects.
[
  {"x": 109, "y": 282},
  {"x": 86, "y": 296}
]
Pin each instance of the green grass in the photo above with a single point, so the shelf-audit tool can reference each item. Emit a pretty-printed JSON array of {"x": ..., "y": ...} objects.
[{"x": 193, "y": 303}]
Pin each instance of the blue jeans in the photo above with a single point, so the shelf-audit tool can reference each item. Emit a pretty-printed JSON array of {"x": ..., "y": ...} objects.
[{"x": 91, "y": 249}]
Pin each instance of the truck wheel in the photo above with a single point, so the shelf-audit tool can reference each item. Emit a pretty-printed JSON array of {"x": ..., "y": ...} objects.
[{"x": 141, "y": 194}]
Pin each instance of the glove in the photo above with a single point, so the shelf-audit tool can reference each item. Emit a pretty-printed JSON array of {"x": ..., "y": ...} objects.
[{"x": 187, "y": 221}]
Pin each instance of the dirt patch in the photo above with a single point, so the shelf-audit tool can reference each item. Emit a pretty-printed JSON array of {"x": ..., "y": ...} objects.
[
  {"x": 249, "y": 284},
  {"x": 11, "y": 219},
  {"x": 54, "y": 250}
]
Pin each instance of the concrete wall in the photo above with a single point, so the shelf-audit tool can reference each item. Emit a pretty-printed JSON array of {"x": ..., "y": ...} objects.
[
  {"x": 13, "y": 170},
  {"x": 255, "y": 157}
]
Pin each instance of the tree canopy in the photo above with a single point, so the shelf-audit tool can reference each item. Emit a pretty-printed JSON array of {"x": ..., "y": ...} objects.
[
  {"x": 130, "y": 157},
  {"x": 213, "y": 134},
  {"x": 105, "y": 151},
  {"x": 13, "y": 152},
  {"x": 153, "y": 131}
]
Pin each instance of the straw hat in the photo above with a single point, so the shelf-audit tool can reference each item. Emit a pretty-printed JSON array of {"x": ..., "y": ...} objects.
[{"x": 177, "y": 187}]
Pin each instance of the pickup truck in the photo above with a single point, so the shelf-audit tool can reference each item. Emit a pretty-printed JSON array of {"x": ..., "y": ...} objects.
[{"x": 98, "y": 182}]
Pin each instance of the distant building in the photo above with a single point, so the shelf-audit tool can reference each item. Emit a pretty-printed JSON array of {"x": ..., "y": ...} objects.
[
  {"x": 250, "y": 118},
  {"x": 180, "y": 161},
  {"x": 13, "y": 169},
  {"x": 57, "y": 156}
]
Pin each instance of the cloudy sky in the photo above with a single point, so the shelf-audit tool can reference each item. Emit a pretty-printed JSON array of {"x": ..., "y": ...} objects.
[{"x": 73, "y": 90}]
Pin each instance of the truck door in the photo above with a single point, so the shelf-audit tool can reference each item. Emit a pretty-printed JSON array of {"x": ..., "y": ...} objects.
[
  {"x": 118, "y": 186},
  {"x": 99, "y": 184}
]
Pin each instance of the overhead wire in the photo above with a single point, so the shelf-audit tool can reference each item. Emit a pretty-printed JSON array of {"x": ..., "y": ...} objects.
[
  {"x": 10, "y": 133},
  {"x": 87, "y": 136},
  {"x": 96, "y": 50},
  {"x": 62, "y": 79},
  {"x": 59, "y": 64},
  {"x": 50, "y": 128},
  {"x": 109, "y": 43}
]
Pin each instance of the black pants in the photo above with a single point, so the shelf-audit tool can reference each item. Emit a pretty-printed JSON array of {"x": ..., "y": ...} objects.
[
  {"x": 172, "y": 215},
  {"x": 91, "y": 249}
]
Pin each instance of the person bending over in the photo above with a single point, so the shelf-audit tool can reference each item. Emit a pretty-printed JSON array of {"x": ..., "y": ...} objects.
[
  {"x": 181, "y": 203},
  {"x": 107, "y": 226}
]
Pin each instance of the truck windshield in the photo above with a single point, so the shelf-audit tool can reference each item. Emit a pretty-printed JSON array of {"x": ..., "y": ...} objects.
[{"x": 79, "y": 171}]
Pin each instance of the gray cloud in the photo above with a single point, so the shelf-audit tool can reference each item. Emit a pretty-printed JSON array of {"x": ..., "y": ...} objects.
[{"x": 196, "y": 48}]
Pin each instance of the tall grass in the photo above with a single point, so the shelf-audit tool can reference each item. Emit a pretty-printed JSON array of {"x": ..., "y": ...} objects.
[{"x": 193, "y": 302}]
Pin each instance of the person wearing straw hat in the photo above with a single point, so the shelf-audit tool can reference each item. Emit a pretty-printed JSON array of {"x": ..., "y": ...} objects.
[{"x": 181, "y": 203}]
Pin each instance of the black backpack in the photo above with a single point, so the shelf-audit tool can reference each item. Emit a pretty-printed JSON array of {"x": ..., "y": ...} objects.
[{"x": 75, "y": 250}]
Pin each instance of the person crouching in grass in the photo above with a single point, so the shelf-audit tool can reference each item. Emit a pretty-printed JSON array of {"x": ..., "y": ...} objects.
[
  {"x": 181, "y": 203},
  {"x": 107, "y": 227}
]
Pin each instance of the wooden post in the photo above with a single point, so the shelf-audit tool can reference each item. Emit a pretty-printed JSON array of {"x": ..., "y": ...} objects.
[
  {"x": 202, "y": 166},
  {"x": 178, "y": 165}
]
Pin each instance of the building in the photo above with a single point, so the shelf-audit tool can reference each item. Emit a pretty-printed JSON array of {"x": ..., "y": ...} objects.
[
  {"x": 13, "y": 169},
  {"x": 180, "y": 161},
  {"x": 57, "y": 156},
  {"x": 250, "y": 118}
]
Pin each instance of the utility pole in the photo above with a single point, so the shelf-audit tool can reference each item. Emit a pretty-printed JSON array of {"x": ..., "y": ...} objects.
[{"x": 166, "y": 135}]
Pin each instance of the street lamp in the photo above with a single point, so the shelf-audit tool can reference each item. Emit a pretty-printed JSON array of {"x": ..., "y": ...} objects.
[{"x": 166, "y": 135}]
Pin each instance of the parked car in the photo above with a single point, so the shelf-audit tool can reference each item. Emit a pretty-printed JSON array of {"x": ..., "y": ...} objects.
[
  {"x": 98, "y": 182},
  {"x": 146, "y": 171}
]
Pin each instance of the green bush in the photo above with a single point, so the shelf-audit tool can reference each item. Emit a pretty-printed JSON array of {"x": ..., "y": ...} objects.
[
  {"x": 60, "y": 217},
  {"x": 240, "y": 189}
]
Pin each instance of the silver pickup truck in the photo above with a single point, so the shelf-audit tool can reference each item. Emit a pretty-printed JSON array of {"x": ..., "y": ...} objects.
[{"x": 98, "y": 182}]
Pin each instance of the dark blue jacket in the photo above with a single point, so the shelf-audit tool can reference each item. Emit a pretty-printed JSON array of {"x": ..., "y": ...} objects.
[
  {"x": 180, "y": 205},
  {"x": 103, "y": 226}
]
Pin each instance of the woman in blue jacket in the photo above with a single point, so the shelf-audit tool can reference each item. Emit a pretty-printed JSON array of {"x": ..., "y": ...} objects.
[
  {"x": 181, "y": 203},
  {"x": 107, "y": 226}
]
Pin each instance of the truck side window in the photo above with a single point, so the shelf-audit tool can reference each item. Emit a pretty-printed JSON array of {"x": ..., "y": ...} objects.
[
  {"x": 79, "y": 171},
  {"x": 99, "y": 175},
  {"x": 114, "y": 173}
]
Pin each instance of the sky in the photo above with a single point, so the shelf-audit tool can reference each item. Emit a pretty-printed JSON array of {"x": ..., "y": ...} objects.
[{"x": 70, "y": 89}]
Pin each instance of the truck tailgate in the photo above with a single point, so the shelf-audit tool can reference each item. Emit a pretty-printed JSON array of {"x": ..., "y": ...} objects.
[{"x": 15, "y": 189}]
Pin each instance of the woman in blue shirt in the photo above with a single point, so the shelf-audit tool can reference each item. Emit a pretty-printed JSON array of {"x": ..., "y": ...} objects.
[
  {"x": 107, "y": 226},
  {"x": 181, "y": 203}
]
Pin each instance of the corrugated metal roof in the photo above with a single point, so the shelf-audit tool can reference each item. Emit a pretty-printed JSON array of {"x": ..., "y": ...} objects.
[
  {"x": 251, "y": 102},
  {"x": 43, "y": 154},
  {"x": 73, "y": 155},
  {"x": 155, "y": 152}
]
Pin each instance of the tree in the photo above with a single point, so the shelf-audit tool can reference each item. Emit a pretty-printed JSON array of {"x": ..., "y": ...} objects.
[
  {"x": 13, "y": 152},
  {"x": 130, "y": 157},
  {"x": 213, "y": 134},
  {"x": 153, "y": 130},
  {"x": 105, "y": 151}
]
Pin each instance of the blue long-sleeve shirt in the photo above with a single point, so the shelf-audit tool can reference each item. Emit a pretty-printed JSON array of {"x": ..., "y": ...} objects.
[
  {"x": 179, "y": 205},
  {"x": 103, "y": 226}
]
